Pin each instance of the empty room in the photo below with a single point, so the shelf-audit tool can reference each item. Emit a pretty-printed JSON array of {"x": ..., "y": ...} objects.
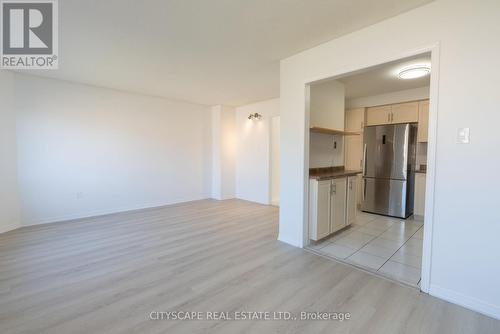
[{"x": 188, "y": 166}]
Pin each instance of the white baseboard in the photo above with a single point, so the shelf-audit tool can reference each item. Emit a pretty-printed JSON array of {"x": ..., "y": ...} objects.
[
  {"x": 289, "y": 241},
  {"x": 98, "y": 213},
  {"x": 9, "y": 227},
  {"x": 468, "y": 302}
]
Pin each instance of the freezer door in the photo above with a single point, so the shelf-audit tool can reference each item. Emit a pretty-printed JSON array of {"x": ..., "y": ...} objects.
[
  {"x": 385, "y": 197},
  {"x": 386, "y": 151}
]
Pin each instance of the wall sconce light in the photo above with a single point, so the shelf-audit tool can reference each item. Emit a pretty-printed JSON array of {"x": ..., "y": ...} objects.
[{"x": 255, "y": 116}]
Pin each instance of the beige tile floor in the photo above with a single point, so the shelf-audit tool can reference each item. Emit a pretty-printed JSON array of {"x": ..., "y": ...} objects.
[{"x": 389, "y": 246}]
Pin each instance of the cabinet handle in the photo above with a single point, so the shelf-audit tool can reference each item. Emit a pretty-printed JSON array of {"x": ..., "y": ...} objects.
[
  {"x": 389, "y": 117},
  {"x": 392, "y": 117},
  {"x": 334, "y": 188}
]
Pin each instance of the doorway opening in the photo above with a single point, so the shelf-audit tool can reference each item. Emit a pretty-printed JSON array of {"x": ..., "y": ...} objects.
[{"x": 368, "y": 157}]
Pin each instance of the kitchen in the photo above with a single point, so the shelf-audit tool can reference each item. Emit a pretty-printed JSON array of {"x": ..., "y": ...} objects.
[{"x": 367, "y": 164}]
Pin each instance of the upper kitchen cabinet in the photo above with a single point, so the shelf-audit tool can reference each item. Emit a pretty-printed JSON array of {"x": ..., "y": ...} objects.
[
  {"x": 353, "y": 148},
  {"x": 393, "y": 114},
  {"x": 327, "y": 105},
  {"x": 355, "y": 119},
  {"x": 378, "y": 115},
  {"x": 404, "y": 112},
  {"x": 353, "y": 145},
  {"x": 423, "y": 121}
]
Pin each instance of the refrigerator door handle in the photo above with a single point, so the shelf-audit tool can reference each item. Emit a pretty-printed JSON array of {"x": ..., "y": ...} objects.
[
  {"x": 364, "y": 189},
  {"x": 364, "y": 160}
]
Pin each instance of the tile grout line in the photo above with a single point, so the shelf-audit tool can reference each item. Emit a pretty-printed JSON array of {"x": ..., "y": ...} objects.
[
  {"x": 399, "y": 249},
  {"x": 420, "y": 268},
  {"x": 362, "y": 268},
  {"x": 347, "y": 260},
  {"x": 371, "y": 241}
]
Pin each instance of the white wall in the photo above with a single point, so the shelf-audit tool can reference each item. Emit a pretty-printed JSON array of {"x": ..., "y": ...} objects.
[
  {"x": 223, "y": 152},
  {"x": 327, "y": 111},
  {"x": 465, "y": 244},
  {"x": 9, "y": 199},
  {"x": 406, "y": 95},
  {"x": 84, "y": 151},
  {"x": 253, "y": 152},
  {"x": 328, "y": 105}
]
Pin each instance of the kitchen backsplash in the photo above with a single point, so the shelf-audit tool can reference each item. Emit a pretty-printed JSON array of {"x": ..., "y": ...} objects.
[{"x": 322, "y": 152}]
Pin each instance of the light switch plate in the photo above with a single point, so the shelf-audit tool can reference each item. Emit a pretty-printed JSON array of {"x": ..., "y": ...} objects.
[{"x": 463, "y": 136}]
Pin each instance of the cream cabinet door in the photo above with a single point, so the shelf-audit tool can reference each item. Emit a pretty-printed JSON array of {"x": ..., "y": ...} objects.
[
  {"x": 319, "y": 209},
  {"x": 404, "y": 112},
  {"x": 419, "y": 204},
  {"x": 355, "y": 119},
  {"x": 378, "y": 115},
  {"x": 338, "y": 204},
  {"x": 423, "y": 121},
  {"x": 352, "y": 187},
  {"x": 353, "y": 152},
  {"x": 359, "y": 193}
]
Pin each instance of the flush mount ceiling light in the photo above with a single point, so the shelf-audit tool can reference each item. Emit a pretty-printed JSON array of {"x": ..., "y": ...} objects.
[
  {"x": 414, "y": 71},
  {"x": 255, "y": 116}
]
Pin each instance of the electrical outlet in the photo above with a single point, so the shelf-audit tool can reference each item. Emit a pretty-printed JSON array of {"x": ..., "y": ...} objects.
[{"x": 79, "y": 195}]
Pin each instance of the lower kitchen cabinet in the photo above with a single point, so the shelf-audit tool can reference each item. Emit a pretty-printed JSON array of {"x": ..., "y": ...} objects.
[
  {"x": 338, "y": 204},
  {"x": 419, "y": 203},
  {"x": 332, "y": 205},
  {"x": 352, "y": 189},
  {"x": 319, "y": 208}
]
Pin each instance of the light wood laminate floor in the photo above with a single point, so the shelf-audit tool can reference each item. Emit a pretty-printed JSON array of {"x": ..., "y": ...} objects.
[{"x": 106, "y": 274}]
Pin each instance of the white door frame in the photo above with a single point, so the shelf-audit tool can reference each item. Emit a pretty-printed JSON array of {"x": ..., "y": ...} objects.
[{"x": 431, "y": 149}]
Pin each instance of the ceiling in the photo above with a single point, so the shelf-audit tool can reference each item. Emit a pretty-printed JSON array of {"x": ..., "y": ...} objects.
[
  {"x": 207, "y": 52},
  {"x": 384, "y": 78}
]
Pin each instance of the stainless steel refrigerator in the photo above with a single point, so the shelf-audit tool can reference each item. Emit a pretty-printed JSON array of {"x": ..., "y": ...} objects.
[{"x": 389, "y": 169}]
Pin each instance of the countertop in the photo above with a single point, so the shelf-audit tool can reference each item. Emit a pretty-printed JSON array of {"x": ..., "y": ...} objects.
[{"x": 331, "y": 173}]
